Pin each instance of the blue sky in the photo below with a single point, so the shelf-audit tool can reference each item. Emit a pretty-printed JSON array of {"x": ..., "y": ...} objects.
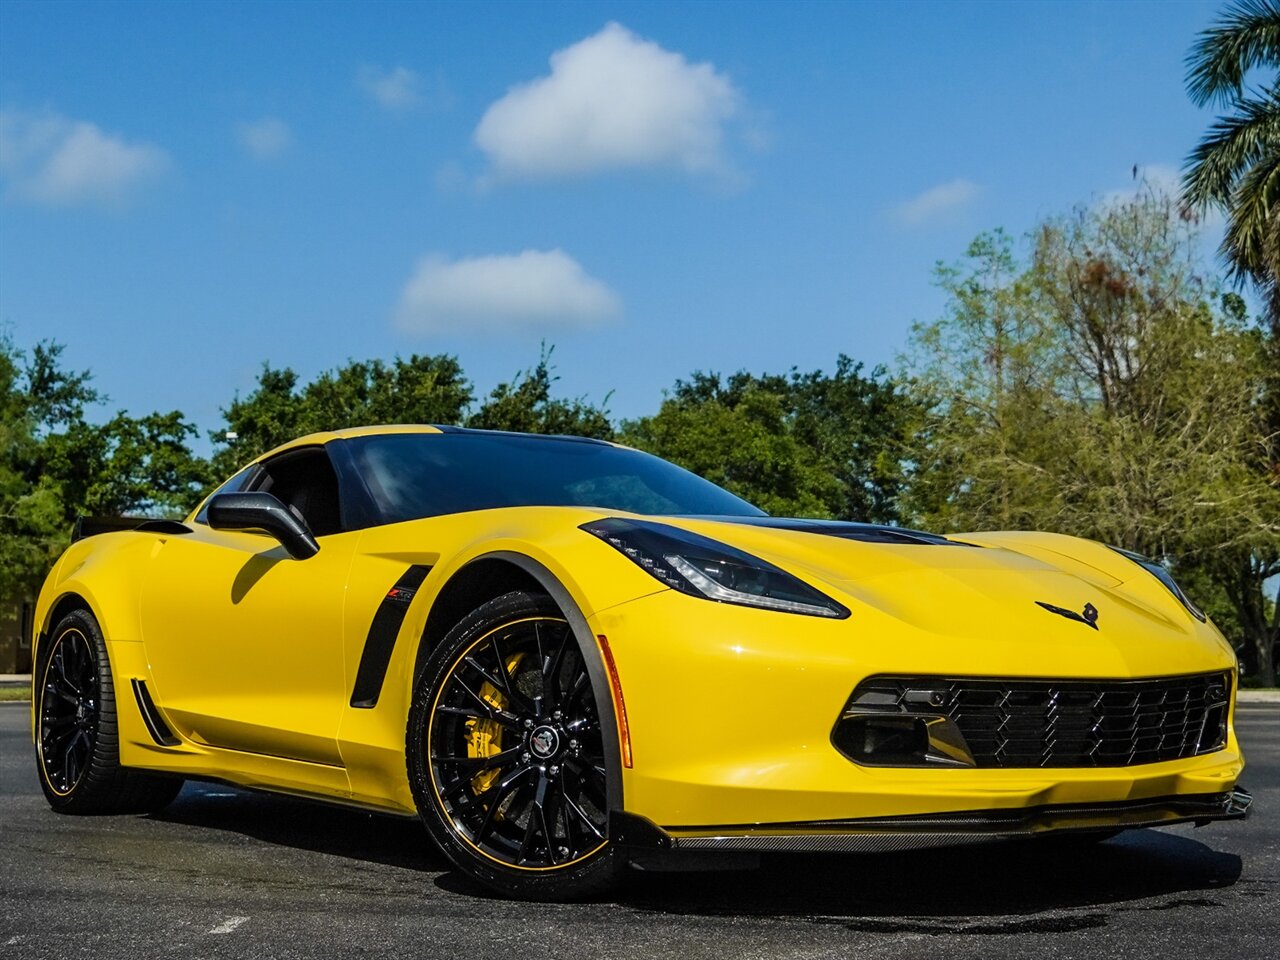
[{"x": 187, "y": 190}]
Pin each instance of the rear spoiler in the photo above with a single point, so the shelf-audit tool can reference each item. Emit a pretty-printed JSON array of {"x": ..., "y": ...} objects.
[{"x": 92, "y": 526}]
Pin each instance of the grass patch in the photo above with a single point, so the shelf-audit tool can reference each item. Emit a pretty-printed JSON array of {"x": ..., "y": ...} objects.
[{"x": 14, "y": 693}]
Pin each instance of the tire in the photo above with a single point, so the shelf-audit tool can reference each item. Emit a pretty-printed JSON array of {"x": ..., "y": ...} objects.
[
  {"x": 77, "y": 746},
  {"x": 506, "y": 754}
]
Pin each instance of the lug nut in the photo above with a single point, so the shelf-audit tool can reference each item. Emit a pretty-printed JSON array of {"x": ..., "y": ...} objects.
[
  {"x": 524, "y": 757},
  {"x": 554, "y": 771},
  {"x": 557, "y": 715},
  {"x": 528, "y": 724},
  {"x": 573, "y": 744}
]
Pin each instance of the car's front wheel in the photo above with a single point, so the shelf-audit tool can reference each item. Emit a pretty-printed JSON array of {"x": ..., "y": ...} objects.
[
  {"x": 77, "y": 744},
  {"x": 506, "y": 753}
]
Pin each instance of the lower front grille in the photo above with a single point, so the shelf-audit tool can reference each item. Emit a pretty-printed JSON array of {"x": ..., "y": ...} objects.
[{"x": 1059, "y": 723}]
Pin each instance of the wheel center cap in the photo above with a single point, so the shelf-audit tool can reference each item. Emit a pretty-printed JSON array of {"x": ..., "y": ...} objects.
[{"x": 544, "y": 742}]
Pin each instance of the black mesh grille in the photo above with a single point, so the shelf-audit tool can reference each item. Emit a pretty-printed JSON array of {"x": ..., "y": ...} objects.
[{"x": 1065, "y": 723}]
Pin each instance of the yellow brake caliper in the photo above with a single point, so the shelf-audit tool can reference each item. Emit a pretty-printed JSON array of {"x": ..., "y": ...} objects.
[{"x": 484, "y": 737}]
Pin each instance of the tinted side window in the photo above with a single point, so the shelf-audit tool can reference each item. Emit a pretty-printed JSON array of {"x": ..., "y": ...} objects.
[
  {"x": 304, "y": 480},
  {"x": 234, "y": 485}
]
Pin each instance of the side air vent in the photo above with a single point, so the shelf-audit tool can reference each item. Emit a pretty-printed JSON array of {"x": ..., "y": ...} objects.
[{"x": 156, "y": 726}]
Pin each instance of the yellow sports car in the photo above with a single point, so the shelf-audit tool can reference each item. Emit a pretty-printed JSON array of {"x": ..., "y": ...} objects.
[{"x": 567, "y": 656}]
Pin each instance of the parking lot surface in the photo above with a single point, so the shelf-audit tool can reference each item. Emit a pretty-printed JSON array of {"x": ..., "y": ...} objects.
[{"x": 229, "y": 873}]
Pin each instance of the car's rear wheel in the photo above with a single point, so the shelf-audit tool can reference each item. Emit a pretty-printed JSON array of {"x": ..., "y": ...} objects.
[
  {"x": 506, "y": 753},
  {"x": 77, "y": 744}
]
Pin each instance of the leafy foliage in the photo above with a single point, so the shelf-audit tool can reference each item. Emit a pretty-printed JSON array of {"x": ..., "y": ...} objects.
[
  {"x": 801, "y": 444},
  {"x": 55, "y": 464},
  {"x": 526, "y": 405},
  {"x": 1246, "y": 36},
  {"x": 1236, "y": 166},
  {"x": 420, "y": 389}
]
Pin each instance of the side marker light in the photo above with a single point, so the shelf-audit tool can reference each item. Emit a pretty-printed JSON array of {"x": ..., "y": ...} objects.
[{"x": 619, "y": 705}]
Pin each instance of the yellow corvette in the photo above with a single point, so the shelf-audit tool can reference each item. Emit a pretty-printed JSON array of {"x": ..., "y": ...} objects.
[{"x": 567, "y": 656}]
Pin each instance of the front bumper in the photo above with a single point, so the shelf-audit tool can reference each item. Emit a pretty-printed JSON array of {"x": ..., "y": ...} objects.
[
  {"x": 870, "y": 835},
  {"x": 731, "y": 710}
]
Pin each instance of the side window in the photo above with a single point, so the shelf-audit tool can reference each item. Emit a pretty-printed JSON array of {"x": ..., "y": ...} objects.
[
  {"x": 234, "y": 485},
  {"x": 305, "y": 481}
]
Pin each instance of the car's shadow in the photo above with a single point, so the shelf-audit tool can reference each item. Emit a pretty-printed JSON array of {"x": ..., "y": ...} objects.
[
  {"x": 1041, "y": 885},
  {"x": 303, "y": 825},
  {"x": 991, "y": 888}
]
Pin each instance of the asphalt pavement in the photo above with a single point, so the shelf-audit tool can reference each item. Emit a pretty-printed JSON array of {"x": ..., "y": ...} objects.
[{"x": 229, "y": 873}]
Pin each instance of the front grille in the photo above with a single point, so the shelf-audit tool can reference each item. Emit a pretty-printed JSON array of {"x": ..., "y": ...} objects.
[{"x": 1063, "y": 723}]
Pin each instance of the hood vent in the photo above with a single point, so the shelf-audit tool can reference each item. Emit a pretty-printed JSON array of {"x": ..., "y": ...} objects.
[{"x": 845, "y": 530}]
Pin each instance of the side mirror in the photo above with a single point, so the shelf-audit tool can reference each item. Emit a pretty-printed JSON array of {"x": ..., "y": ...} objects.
[{"x": 261, "y": 512}]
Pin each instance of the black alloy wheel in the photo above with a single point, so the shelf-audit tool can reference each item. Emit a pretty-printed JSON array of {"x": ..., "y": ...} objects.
[
  {"x": 507, "y": 749},
  {"x": 78, "y": 747},
  {"x": 68, "y": 711}
]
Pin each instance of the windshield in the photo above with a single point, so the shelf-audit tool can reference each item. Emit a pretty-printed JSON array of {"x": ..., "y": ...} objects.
[{"x": 426, "y": 475}]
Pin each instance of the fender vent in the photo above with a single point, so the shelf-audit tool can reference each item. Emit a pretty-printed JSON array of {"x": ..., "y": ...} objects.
[
  {"x": 381, "y": 640},
  {"x": 156, "y": 726}
]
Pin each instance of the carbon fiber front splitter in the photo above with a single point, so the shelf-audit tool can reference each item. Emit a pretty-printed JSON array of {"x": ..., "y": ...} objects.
[{"x": 932, "y": 830}]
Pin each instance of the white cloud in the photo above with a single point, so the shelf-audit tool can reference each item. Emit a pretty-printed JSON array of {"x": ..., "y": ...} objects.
[
  {"x": 935, "y": 201},
  {"x": 394, "y": 89},
  {"x": 536, "y": 289},
  {"x": 611, "y": 101},
  {"x": 264, "y": 139},
  {"x": 51, "y": 159}
]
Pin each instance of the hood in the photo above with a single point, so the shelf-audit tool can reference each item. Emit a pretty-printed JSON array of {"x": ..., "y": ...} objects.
[{"x": 1037, "y": 588}]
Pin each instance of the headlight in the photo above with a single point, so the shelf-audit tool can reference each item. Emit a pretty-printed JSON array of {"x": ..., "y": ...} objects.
[
  {"x": 702, "y": 567},
  {"x": 1164, "y": 576}
]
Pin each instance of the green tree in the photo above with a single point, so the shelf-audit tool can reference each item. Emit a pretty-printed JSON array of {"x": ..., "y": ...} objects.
[
  {"x": 55, "y": 464},
  {"x": 525, "y": 404},
  {"x": 420, "y": 389},
  {"x": 800, "y": 444}
]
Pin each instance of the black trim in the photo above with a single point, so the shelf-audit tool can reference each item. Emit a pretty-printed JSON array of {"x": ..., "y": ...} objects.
[
  {"x": 1232, "y": 805},
  {"x": 919, "y": 831},
  {"x": 92, "y": 526},
  {"x": 449, "y": 428},
  {"x": 156, "y": 726},
  {"x": 637, "y": 832},
  {"x": 381, "y": 640},
  {"x": 844, "y": 529}
]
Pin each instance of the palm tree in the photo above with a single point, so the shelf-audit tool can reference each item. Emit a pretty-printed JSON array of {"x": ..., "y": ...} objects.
[{"x": 1236, "y": 166}]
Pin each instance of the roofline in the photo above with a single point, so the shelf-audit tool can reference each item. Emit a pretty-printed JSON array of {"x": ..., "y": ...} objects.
[
  {"x": 325, "y": 437},
  {"x": 449, "y": 428}
]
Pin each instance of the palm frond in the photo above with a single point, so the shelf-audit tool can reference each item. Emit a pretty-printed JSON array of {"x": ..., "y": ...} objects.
[
  {"x": 1232, "y": 145},
  {"x": 1247, "y": 35},
  {"x": 1249, "y": 245}
]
